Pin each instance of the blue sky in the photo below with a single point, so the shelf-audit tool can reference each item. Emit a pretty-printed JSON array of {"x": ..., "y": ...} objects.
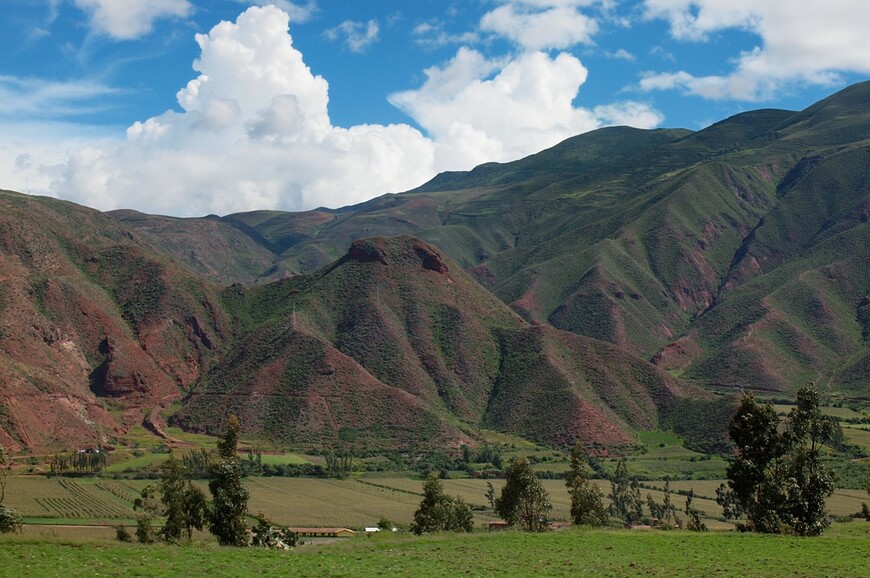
[{"x": 189, "y": 107}]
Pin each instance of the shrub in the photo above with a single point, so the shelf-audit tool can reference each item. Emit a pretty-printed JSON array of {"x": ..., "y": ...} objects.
[
  {"x": 10, "y": 521},
  {"x": 122, "y": 534},
  {"x": 267, "y": 535}
]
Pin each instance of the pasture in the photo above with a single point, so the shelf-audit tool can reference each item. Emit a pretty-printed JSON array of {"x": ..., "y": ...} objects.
[{"x": 575, "y": 552}]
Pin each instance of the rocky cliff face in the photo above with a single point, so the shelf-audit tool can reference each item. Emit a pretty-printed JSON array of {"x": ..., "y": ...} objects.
[{"x": 94, "y": 326}]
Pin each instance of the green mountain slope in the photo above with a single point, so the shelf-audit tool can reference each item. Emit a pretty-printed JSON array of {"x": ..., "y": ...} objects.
[
  {"x": 670, "y": 244},
  {"x": 397, "y": 343}
]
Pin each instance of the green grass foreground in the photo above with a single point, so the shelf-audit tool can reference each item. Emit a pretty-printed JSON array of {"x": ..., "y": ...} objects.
[{"x": 841, "y": 552}]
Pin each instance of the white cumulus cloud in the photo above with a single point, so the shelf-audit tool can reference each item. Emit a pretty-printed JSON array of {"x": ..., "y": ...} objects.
[
  {"x": 357, "y": 36},
  {"x": 803, "y": 43},
  {"x": 298, "y": 13},
  {"x": 129, "y": 19},
  {"x": 481, "y": 110},
  {"x": 539, "y": 25},
  {"x": 253, "y": 130}
]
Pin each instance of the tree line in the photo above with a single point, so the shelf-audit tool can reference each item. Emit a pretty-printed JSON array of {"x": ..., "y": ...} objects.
[{"x": 777, "y": 482}]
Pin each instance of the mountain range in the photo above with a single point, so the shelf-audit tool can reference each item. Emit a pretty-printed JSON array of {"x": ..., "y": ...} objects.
[{"x": 617, "y": 281}]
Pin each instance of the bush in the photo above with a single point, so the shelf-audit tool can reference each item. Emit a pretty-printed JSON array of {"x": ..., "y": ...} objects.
[
  {"x": 10, "y": 521},
  {"x": 266, "y": 535},
  {"x": 122, "y": 534}
]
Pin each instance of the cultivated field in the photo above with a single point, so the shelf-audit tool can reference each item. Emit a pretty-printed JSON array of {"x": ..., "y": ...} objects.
[{"x": 354, "y": 503}]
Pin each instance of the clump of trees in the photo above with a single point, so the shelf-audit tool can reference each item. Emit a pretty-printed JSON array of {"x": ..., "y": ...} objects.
[
  {"x": 486, "y": 454},
  {"x": 587, "y": 503},
  {"x": 777, "y": 477},
  {"x": 439, "y": 512},
  {"x": 339, "y": 460},
  {"x": 90, "y": 461},
  {"x": 184, "y": 507},
  {"x": 198, "y": 463},
  {"x": 523, "y": 501}
]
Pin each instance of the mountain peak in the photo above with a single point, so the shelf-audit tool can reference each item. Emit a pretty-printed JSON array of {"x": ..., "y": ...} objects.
[{"x": 388, "y": 251}]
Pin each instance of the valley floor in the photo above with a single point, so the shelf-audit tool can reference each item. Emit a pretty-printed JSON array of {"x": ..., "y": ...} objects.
[{"x": 352, "y": 503}]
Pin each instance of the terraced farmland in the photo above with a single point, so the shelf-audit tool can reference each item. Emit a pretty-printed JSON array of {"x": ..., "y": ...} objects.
[{"x": 69, "y": 499}]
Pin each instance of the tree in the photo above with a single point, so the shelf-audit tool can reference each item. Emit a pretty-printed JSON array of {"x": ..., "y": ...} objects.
[
  {"x": 490, "y": 495},
  {"x": 756, "y": 472},
  {"x": 439, "y": 512},
  {"x": 666, "y": 512},
  {"x": 693, "y": 514},
  {"x": 148, "y": 507},
  {"x": 523, "y": 499},
  {"x": 229, "y": 497},
  {"x": 184, "y": 505},
  {"x": 865, "y": 510},
  {"x": 731, "y": 507},
  {"x": 489, "y": 454},
  {"x": 4, "y": 472},
  {"x": 122, "y": 534},
  {"x": 466, "y": 454},
  {"x": 339, "y": 459},
  {"x": 777, "y": 476},
  {"x": 174, "y": 498},
  {"x": 587, "y": 505},
  {"x": 195, "y": 510},
  {"x": 625, "y": 500},
  {"x": 10, "y": 521},
  {"x": 198, "y": 463},
  {"x": 809, "y": 482}
]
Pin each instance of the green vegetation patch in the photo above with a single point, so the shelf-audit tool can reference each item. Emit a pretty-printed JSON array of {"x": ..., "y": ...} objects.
[
  {"x": 570, "y": 553},
  {"x": 279, "y": 459},
  {"x": 138, "y": 463},
  {"x": 658, "y": 438}
]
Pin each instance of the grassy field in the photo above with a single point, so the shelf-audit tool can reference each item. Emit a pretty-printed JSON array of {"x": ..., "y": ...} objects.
[
  {"x": 134, "y": 463},
  {"x": 577, "y": 552},
  {"x": 858, "y": 435},
  {"x": 280, "y": 459}
]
